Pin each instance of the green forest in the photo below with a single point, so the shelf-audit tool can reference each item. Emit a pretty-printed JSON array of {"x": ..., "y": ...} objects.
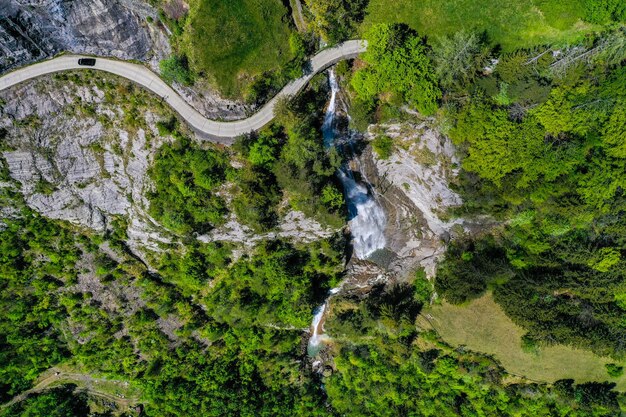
[{"x": 536, "y": 107}]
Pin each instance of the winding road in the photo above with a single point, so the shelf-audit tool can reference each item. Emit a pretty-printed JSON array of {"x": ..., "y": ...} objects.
[{"x": 222, "y": 132}]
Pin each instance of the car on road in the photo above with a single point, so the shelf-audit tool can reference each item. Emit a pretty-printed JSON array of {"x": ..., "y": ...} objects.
[{"x": 90, "y": 62}]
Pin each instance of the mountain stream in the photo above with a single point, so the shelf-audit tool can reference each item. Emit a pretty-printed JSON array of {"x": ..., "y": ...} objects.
[{"x": 366, "y": 217}]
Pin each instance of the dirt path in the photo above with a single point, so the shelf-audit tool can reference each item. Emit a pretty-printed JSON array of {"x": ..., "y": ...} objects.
[{"x": 85, "y": 382}]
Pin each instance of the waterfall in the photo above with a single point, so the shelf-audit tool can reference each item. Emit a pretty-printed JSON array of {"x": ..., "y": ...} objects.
[
  {"x": 317, "y": 336},
  {"x": 366, "y": 217}
]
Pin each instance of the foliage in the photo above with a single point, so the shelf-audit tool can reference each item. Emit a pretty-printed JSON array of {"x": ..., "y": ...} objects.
[
  {"x": 423, "y": 287},
  {"x": 305, "y": 169},
  {"x": 176, "y": 69},
  {"x": 37, "y": 259},
  {"x": 383, "y": 146},
  {"x": 398, "y": 64},
  {"x": 614, "y": 370},
  {"x": 604, "y": 11},
  {"x": 249, "y": 368},
  {"x": 459, "y": 58},
  {"x": 378, "y": 380},
  {"x": 378, "y": 373},
  {"x": 513, "y": 25},
  {"x": 278, "y": 286},
  {"x": 555, "y": 173},
  {"x": 468, "y": 269},
  {"x": 194, "y": 269},
  {"x": 332, "y": 197},
  {"x": 167, "y": 127},
  {"x": 499, "y": 147},
  {"x": 299, "y": 48},
  {"x": 186, "y": 179},
  {"x": 56, "y": 402},
  {"x": 257, "y": 200},
  {"x": 481, "y": 325},
  {"x": 361, "y": 112},
  {"x": 264, "y": 151},
  {"x": 336, "y": 21}
]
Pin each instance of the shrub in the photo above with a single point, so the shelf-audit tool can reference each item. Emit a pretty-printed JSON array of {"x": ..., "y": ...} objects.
[
  {"x": 398, "y": 65},
  {"x": 167, "y": 127},
  {"x": 604, "y": 11},
  {"x": 469, "y": 267},
  {"x": 614, "y": 370},
  {"x": 361, "y": 112},
  {"x": 186, "y": 179},
  {"x": 176, "y": 69},
  {"x": 383, "y": 146},
  {"x": 332, "y": 197},
  {"x": 423, "y": 287}
]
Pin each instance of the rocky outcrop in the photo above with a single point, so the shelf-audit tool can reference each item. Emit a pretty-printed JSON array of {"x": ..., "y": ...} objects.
[
  {"x": 75, "y": 160},
  {"x": 31, "y": 30},
  {"x": 293, "y": 225},
  {"x": 208, "y": 102},
  {"x": 413, "y": 186}
]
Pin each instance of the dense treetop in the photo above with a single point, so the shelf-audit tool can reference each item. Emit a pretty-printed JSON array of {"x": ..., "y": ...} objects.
[{"x": 217, "y": 329}]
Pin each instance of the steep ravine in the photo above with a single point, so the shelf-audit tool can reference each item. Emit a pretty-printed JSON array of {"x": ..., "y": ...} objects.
[
  {"x": 397, "y": 206},
  {"x": 366, "y": 218}
]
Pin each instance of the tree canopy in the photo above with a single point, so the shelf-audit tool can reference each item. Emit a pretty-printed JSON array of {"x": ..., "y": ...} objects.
[{"x": 398, "y": 64}]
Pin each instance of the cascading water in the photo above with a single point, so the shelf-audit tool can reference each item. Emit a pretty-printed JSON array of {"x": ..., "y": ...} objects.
[{"x": 366, "y": 217}]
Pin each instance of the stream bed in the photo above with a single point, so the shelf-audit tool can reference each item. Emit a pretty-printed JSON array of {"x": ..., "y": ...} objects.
[{"x": 366, "y": 217}]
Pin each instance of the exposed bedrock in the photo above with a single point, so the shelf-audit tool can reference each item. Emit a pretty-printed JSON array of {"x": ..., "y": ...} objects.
[
  {"x": 31, "y": 30},
  {"x": 413, "y": 186}
]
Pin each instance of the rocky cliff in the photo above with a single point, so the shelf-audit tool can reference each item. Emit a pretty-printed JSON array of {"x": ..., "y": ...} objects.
[
  {"x": 75, "y": 155},
  {"x": 413, "y": 186},
  {"x": 80, "y": 145},
  {"x": 31, "y": 30}
]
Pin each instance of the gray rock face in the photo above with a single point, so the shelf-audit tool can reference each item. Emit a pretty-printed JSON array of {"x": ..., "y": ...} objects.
[
  {"x": 80, "y": 167},
  {"x": 293, "y": 225},
  {"x": 413, "y": 186},
  {"x": 32, "y": 30}
]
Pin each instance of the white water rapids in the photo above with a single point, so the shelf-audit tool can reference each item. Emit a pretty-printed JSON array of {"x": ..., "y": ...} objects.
[{"x": 366, "y": 217}]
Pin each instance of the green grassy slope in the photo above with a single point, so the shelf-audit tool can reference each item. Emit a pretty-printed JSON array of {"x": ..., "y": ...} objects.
[
  {"x": 512, "y": 24},
  {"x": 482, "y": 326},
  {"x": 234, "y": 41}
]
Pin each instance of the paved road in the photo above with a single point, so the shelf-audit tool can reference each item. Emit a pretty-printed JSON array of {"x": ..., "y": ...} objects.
[
  {"x": 223, "y": 132},
  {"x": 298, "y": 16}
]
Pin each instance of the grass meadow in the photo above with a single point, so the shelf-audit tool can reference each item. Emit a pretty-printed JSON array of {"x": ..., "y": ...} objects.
[
  {"x": 232, "y": 42},
  {"x": 482, "y": 326},
  {"x": 511, "y": 24}
]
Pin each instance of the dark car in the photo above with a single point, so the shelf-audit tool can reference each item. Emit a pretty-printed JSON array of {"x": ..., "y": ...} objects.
[{"x": 87, "y": 61}]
